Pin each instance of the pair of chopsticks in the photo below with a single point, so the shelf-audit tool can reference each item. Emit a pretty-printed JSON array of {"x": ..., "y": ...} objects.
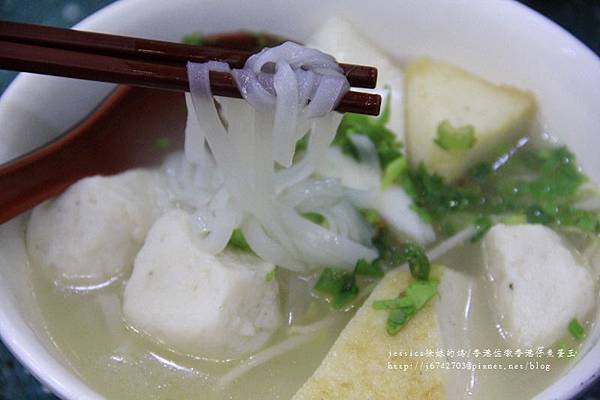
[{"x": 141, "y": 62}]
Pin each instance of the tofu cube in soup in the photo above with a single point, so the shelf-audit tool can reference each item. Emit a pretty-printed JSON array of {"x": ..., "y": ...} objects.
[
  {"x": 366, "y": 362},
  {"x": 92, "y": 232},
  {"x": 455, "y": 119},
  {"x": 216, "y": 306},
  {"x": 340, "y": 39},
  {"x": 539, "y": 286}
]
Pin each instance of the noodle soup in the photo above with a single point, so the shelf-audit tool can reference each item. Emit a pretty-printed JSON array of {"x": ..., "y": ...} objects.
[{"x": 233, "y": 270}]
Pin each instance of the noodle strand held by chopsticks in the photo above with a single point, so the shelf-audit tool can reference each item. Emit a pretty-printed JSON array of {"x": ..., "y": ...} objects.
[{"x": 290, "y": 92}]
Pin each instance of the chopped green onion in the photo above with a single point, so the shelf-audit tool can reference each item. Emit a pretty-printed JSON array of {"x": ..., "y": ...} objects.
[
  {"x": 421, "y": 291},
  {"x": 417, "y": 261},
  {"x": 393, "y": 172},
  {"x": 424, "y": 215},
  {"x": 390, "y": 251},
  {"x": 339, "y": 285},
  {"x": 385, "y": 141},
  {"x": 482, "y": 225},
  {"x": 398, "y": 302},
  {"x": 437, "y": 198},
  {"x": 238, "y": 241},
  {"x": 301, "y": 144},
  {"x": 514, "y": 219},
  {"x": 537, "y": 215},
  {"x": 193, "y": 39},
  {"x": 397, "y": 318},
  {"x": 576, "y": 330},
  {"x": 480, "y": 172},
  {"x": 270, "y": 276},
  {"x": 402, "y": 308},
  {"x": 314, "y": 217},
  {"x": 584, "y": 220},
  {"x": 562, "y": 346},
  {"x": 371, "y": 216},
  {"x": 365, "y": 268},
  {"x": 534, "y": 185},
  {"x": 450, "y": 138},
  {"x": 162, "y": 143}
]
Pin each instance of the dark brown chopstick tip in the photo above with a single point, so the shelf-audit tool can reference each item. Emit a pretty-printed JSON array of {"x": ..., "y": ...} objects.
[
  {"x": 156, "y": 51},
  {"x": 360, "y": 103},
  {"x": 141, "y": 62},
  {"x": 361, "y": 76}
]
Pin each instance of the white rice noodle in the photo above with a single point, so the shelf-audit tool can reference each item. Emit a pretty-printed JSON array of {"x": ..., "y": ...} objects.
[
  {"x": 291, "y": 91},
  {"x": 304, "y": 84},
  {"x": 356, "y": 227},
  {"x": 334, "y": 202},
  {"x": 209, "y": 122},
  {"x": 216, "y": 224},
  {"x": 194, "y": 146},
  {"x": 192, "y": 185},
  {"x": 264, "y": 356},
  {"x": 316, "y": 326},
  {"x": 314, "y": 193},
  {"x": 313, "y": 245},
  {"x": 366, "y": 152},
  {"x": 450, "y": 243},
  {"x": 321, "y": 246},
  {"x": 267, "y": 248},
  {"x": 321, "y": 135}
]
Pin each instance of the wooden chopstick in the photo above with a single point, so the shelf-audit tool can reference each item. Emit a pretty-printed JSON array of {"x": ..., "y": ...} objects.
[
  {"x": 140, "y": 62},
  {"x": 151, "y": 50},
  {"x": 73, "y": 64}
]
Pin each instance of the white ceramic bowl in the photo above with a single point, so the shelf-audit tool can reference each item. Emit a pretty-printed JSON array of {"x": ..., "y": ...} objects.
[{"x": 500, "y": 40}]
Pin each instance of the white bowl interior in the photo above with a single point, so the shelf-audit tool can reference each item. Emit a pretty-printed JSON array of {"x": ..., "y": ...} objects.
[{"x": 500, "y": 40}]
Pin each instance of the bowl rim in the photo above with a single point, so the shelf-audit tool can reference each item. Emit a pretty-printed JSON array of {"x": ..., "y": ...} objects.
[{"x": 64, "y": 383}]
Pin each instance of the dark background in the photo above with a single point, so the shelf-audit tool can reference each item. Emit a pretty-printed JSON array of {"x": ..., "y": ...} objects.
[{"x": 580, "y": 17}]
